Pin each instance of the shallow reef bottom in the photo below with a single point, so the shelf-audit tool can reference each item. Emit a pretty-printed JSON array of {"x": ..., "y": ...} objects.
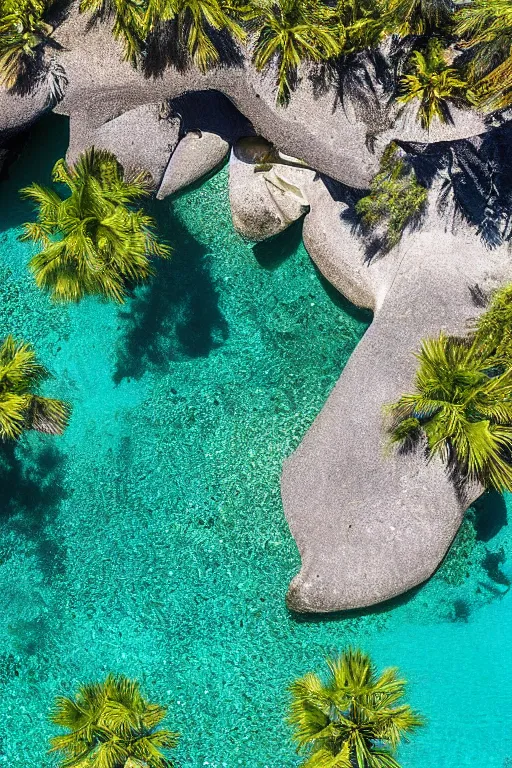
[{"x": 150, "y": 540}]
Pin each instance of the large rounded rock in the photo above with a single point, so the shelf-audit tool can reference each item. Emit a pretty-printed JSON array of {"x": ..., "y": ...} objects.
[
  {"x": 370, "y": 522},
  {"x": 18, "y": 112},
  {"x": 197, "y": 155},
  {"x": 139, "y": 138},
  {"x": 259, "y": 208}
]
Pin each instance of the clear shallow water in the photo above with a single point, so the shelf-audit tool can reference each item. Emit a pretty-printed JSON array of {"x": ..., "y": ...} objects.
[{"x": 150, "y": 539}]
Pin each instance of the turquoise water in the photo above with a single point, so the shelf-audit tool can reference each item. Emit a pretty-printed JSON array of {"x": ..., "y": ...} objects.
[{"x": 150, "y": 539}]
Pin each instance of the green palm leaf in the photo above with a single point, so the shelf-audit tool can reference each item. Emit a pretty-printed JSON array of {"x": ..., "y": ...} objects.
[
  {"x": 93, "y": 241},
  {"x": 353, "y": 718},
  {"x": 110, "y": 725},
  {"x": 20, "y": 408},
  {"x": 463, "y": 402}
]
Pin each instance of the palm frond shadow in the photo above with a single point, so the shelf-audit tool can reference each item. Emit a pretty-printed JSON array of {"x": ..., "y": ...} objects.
[
  {"x": 163, "y": 49},
  {"x": 477, "y": 181},
  {"x": 365, "y": 79},
  {"x": 177, "y": 315},
  {"x": 31, "y": 490}
]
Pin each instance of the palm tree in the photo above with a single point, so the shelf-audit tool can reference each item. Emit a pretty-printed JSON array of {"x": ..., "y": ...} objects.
[
  {"x": 487, "y": 27},
  {"x": 94, "y": 242},
  {"x": 111, "y": 725},
  {"x": 432, "y": 83},
  {"x": 23, "y": 30},
  {"x": 290, "y": 32},
  {"x": 196, "y": 24},
  {"x": 463, "y": 407},
  {"x": 129, "y": 22},
  {"x": 20, "y": 408},
  {"x": 396, "y": 197},
  {"x": 416, "y": 17},
  {"x": 356, "y": 719}
]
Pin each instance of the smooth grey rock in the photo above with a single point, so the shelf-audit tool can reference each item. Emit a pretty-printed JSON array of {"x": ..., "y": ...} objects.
[
  {"x": 371, "y": 523},
  {"x": 256, "y": 212},
  {"x": 310, "y": 128},
  {"x": 19, "y": 112},
  {"x": 339, "y": 253},
  {"x": 139, "y": 138},
  {"x": 196, "y": 155}
]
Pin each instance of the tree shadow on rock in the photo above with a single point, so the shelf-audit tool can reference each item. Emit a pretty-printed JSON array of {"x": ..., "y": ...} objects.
[
  {"x": 165, "y": 47},
  {"x": 176, "y": 316},
  {"x": 31, "y": 490}
]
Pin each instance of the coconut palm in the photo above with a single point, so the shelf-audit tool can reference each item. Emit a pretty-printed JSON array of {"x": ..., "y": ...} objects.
[
  {"x": 432, "y": 83},
  {"x": 196, "y": 24},
  {"x": 354, "y": 719},
  {"x": 487, "y": 27},
  {"x": 416, "y": 17},
  {"x": 20, "y": 408},
  {"x": 396, "y": 197},
  {"x": 289, "y": 32},
  {"x": 129, "y": 22},
  {"x": 23, "y": 30},
  {"x": 94, "y": 241},
  {"x": 111, "y": 725},
  {"x": 463, "y": 408}
]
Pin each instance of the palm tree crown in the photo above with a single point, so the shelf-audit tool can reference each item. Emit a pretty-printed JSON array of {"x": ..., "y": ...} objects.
[
  {"x": 129, "y": 22},
  {"x": 111, "y": 725},
  {"x": 416, "y": 17},
  {"x": 432, "y": 82},
  {"x": 20, "y": 408},
  {"x": 487, "y": 27},
  {"x": 94, "y": 242},
  {"x": 356, "y": 719},
  {"x": 22, "y": 30},
  {"x": 195, "y": 23},
  {"x": 463, "y": 407},
  {"x": 290, "y": 32}
]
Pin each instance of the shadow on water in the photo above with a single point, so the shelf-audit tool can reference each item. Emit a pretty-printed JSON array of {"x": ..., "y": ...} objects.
[
  {"x": 271, "y": 253},
  {"x": 176, "y": 316},
  {"x": 337, "y": 298},
  {"x": 30, "y": 493},
  {"x": 52, "y": 133},
  {"x": 490, "y": 515}
]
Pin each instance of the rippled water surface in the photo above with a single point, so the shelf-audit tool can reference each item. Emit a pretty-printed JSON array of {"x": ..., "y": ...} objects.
[{"x": 150, "y": 539}]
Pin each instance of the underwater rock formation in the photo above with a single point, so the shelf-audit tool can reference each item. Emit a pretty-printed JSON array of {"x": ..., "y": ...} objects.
[{"x": 369, "y": 522}]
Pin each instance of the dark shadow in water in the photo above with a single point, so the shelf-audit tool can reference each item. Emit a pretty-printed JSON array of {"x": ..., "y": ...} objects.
[
  {"x": 492, "y": 563},
  {"x": 461, "y": 611},
  {"x": 271, "y": 253},
  {"x": 30, "y": 493},
  {"x": 357, "y": 313},
  {"x": 176, "y": 316},
  {"x": 490, "y": 515},
  {"x": 52, "y": 133}
]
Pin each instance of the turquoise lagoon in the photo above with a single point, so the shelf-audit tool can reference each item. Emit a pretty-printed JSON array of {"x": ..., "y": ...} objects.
[{"x": 150, "y": 539}]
